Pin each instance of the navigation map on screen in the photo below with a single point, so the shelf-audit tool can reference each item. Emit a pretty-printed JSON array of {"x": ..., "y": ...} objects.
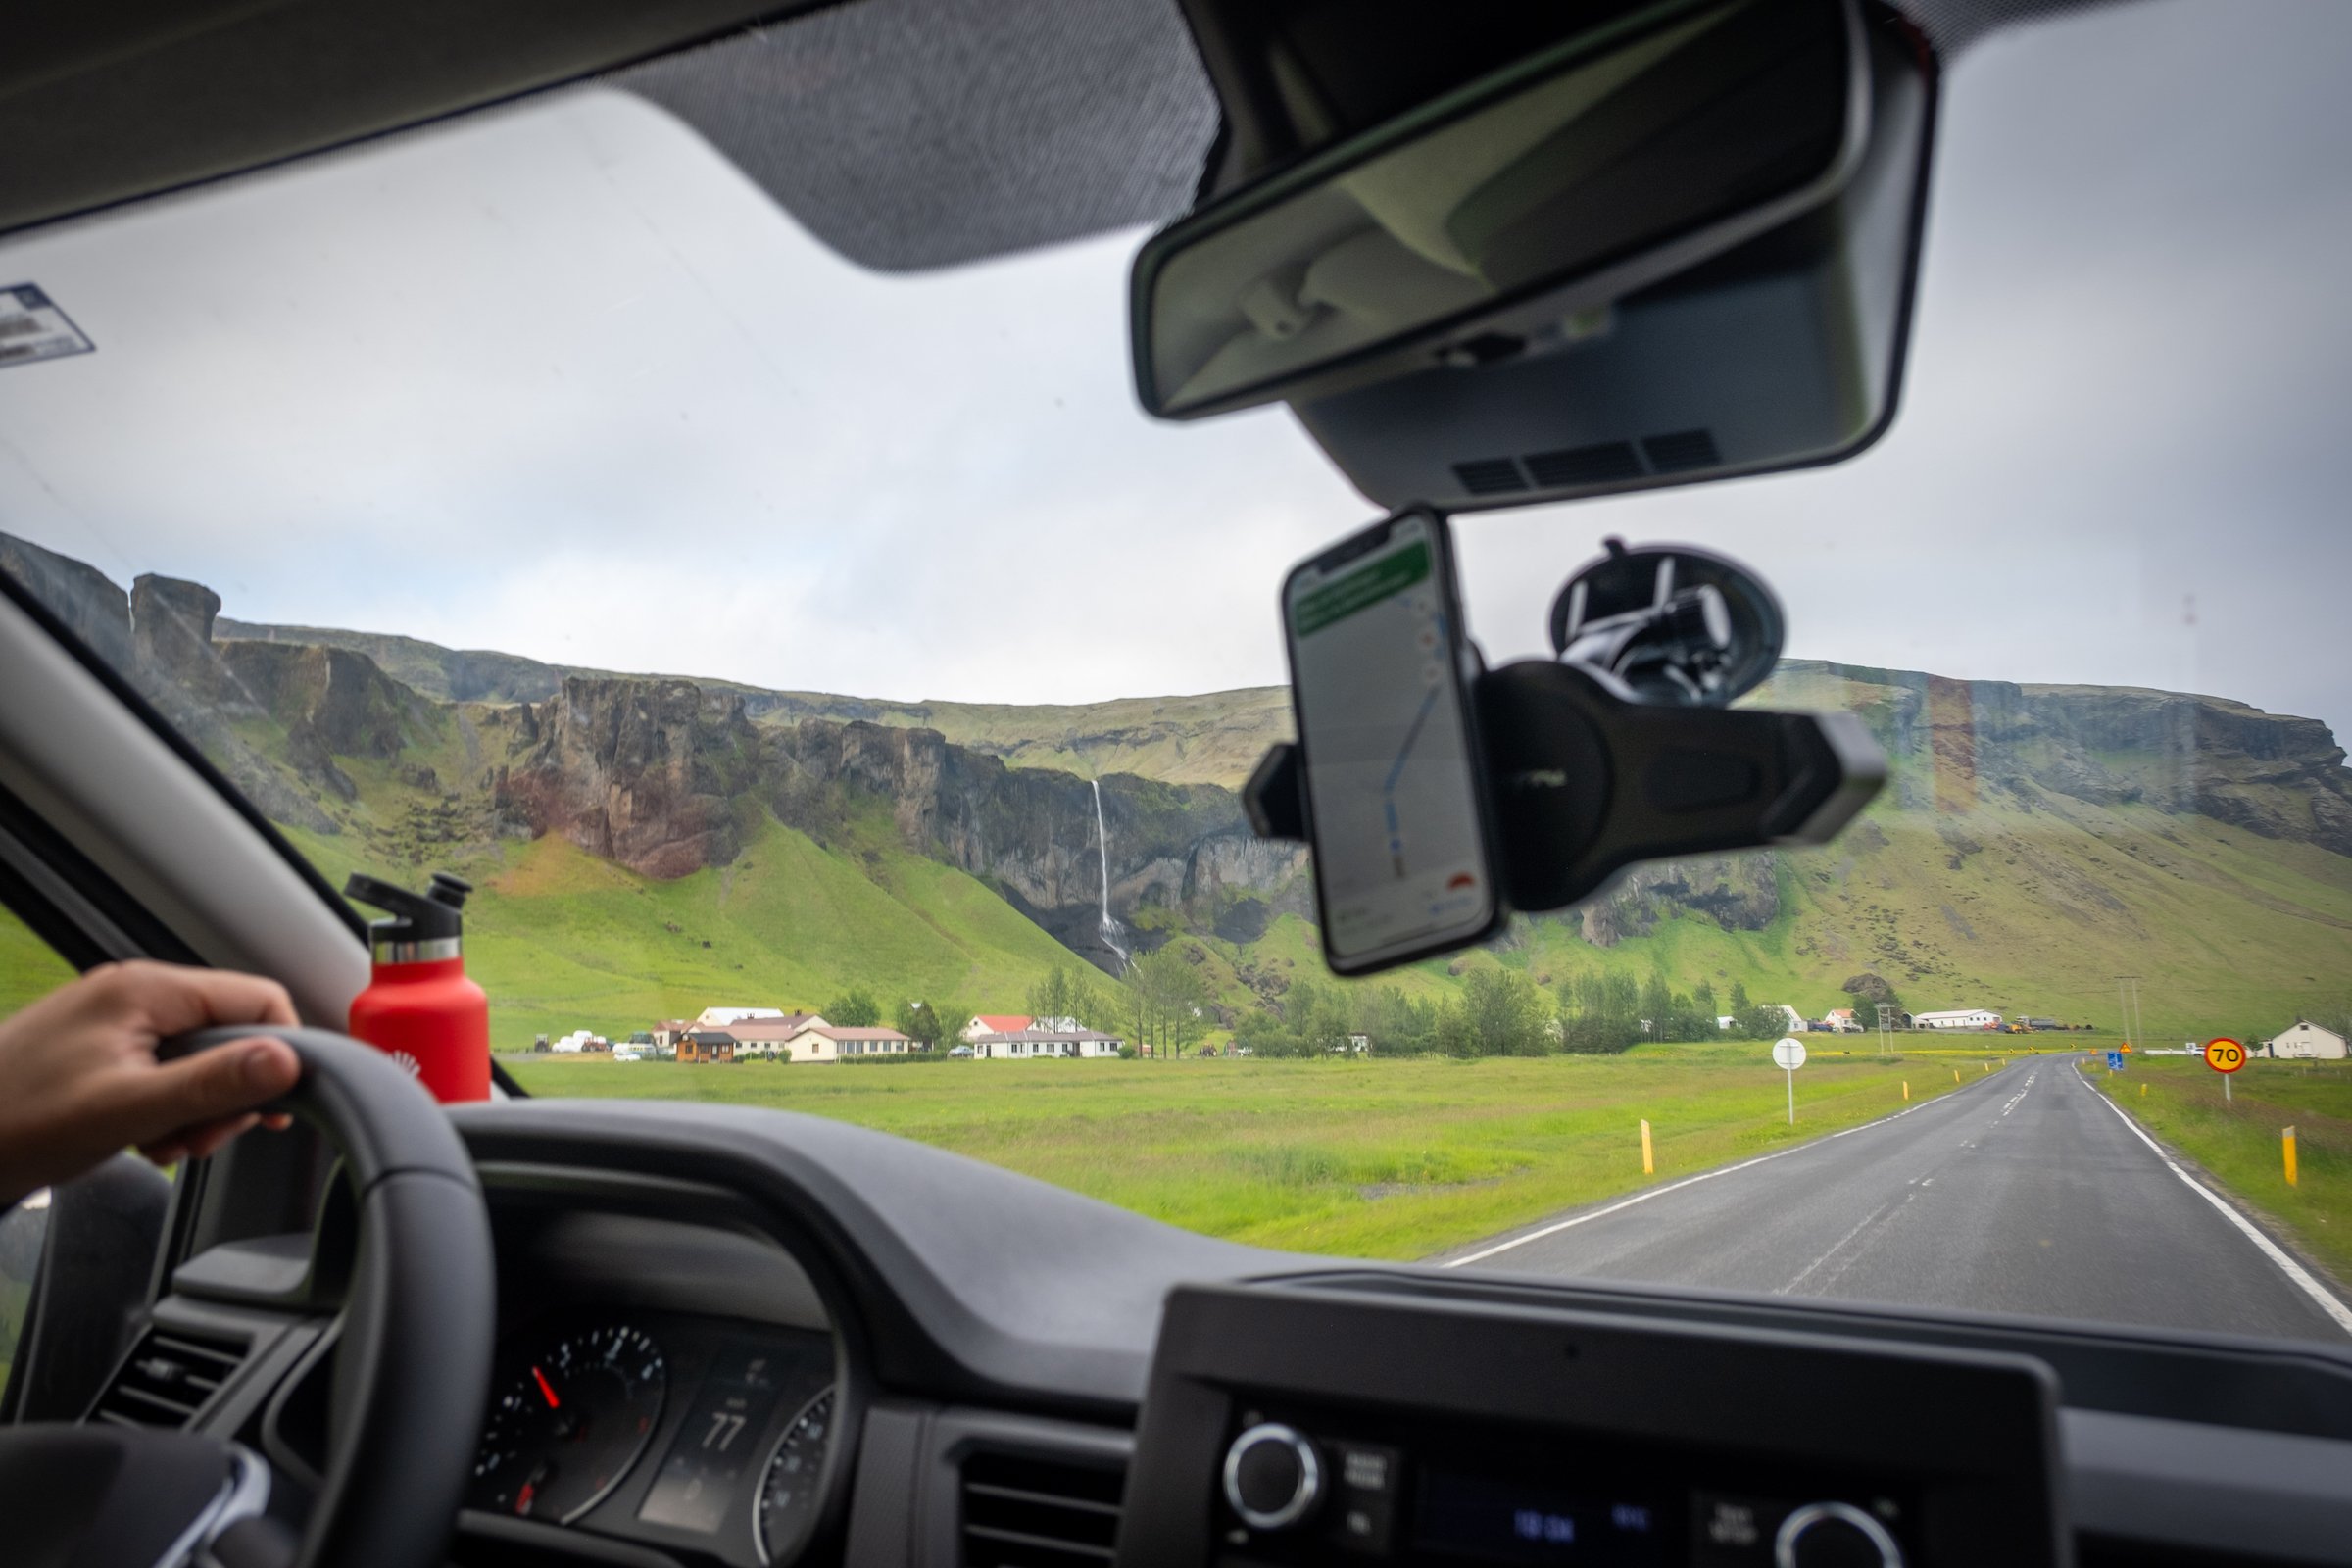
[{"x": 1389, "y": 777}]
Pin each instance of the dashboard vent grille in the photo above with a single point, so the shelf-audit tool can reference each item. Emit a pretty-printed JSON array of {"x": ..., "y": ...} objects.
[
  {"x": 1595, "y": 464},
  {"x": 1489, "y": 476},
  {"x": 1022, "y": 1511},
  {"x": 1681, "y": 449},
  {"x": 167, "y": 1378}
]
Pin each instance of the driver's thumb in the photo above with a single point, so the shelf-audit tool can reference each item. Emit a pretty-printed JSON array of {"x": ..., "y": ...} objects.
[{"x": 224, "y": 1081}]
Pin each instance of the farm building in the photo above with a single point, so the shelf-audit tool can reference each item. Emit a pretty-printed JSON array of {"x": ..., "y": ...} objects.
[
  {"x": 705, "y": 1046},
  {"x": 767, "y": 1036},
  {"x": 2306, "y": 1041},
  {"x": 994, "y": 1023},
  {"x": 1027, "y": 1043},
  {"x": 727, "y": 1018},
  {"x": 1957, "y": 1019},
  {"x": 822, "y": 1042}
]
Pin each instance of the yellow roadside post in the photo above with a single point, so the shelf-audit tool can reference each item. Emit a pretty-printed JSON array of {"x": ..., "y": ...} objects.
[
  {"x": 2143, "y": 1091},
  {"x": 2288, "y": 1140},
  {"x": 1955, "y": 1075},
  {"x": 1906, "y": 1089},
  {"x": 1649, "y": 1167}
]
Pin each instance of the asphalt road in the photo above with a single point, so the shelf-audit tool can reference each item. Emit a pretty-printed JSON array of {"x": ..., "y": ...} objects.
[{"x": 2023, "y": 1191}]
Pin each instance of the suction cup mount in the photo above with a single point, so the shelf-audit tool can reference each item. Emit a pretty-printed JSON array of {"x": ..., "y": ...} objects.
[{"x": 1676, "y": 625}]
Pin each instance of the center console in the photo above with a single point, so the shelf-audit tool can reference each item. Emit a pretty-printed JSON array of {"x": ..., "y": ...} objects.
[{"x": 1309, "y": 1422}]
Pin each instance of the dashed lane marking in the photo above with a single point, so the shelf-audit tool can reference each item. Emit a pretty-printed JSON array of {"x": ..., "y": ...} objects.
[{"x": 1806, "y": 1272}]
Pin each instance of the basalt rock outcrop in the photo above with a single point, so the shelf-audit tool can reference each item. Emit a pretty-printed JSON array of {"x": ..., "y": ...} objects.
[
  {"x": 667, "y": 776},
  {"x": 657, "y": 775},
  {"x": 1954, "y": 743}
]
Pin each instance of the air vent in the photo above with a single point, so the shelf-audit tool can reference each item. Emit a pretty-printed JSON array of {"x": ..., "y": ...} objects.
[
  {"x": 1681, "y": 449},
  {"x": 168, "y": 1379},
  {"x": 1021, "y": 1512},
  {"x": 1575, "y": 466},
  {"x": 1489, "y": 476}
]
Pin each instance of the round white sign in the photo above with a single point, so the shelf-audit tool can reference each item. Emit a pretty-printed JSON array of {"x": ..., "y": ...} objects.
[{"x": 1789, "y": 1053}]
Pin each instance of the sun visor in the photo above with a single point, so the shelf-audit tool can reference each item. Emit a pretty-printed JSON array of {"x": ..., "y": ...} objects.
[{"x": 919, "y": 133}]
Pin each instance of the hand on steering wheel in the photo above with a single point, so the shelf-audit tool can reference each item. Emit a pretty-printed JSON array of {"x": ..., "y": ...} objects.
[{"x": 414, "y": 1360}]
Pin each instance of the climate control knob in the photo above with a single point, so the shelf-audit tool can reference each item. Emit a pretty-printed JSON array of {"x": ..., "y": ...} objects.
[
  {"x": 1273, "y": 1476},
  {"x": 1834, "y": 1535}
]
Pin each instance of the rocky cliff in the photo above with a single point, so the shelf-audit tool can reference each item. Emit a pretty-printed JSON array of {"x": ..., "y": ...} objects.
[
  {"x": 667, "y": 776},
  {"x": 657, "y": 775},
  {"x": 1957, "y": 744}
]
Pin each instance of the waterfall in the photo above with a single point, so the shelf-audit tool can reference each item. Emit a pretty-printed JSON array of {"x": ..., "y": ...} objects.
[{"x": 1110, "y": 926}]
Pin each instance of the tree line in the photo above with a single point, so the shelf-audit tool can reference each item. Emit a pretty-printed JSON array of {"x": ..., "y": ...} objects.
[
  {"x": 1165, "y": 1002},
  {"x": 1501, "y": 1012}
]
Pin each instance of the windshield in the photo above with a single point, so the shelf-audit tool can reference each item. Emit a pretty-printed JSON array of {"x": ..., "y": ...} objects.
[{"x": 838, "y": 692}]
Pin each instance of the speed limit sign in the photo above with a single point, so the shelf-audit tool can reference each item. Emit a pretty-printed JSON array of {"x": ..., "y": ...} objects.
[{"x": 2225, "y": 1055}]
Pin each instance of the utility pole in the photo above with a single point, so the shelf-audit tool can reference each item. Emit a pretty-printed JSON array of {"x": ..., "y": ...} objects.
[
  {"x": 1885, "y": 1030},
  {"x": 2127, "y": 999}
]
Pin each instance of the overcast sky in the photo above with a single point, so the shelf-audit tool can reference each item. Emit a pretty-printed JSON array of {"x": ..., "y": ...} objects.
[{"x": 561, "y": 382}]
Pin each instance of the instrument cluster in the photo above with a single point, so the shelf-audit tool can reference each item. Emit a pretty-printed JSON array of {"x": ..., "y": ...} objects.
[{"x": 670, "y": 1428}]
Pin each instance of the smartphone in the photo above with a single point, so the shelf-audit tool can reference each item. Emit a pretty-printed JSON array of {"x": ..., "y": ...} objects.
[{"x": 1395, "y": 797}]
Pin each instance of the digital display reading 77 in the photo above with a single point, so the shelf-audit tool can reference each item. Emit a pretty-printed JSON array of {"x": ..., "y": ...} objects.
[
  {"x": 717, "y": 1443},
  {"x": 1399, "y": 851}
]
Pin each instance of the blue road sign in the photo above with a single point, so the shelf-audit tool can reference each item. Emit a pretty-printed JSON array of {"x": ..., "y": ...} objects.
[{"x": 2115, "y": 1061}]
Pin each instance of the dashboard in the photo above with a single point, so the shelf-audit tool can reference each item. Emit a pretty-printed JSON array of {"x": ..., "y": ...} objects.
[
  {"x": 740, "y": 1339},
  {"x": 1311, "y": 1422}
]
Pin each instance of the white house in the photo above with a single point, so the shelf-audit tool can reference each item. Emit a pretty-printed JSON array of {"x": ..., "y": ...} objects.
[
  {"x": 994, "y": 1023},
  {"x": 2306, "y": 1041},
  {"x": 822, "y": 1042},
  {"x": 1023, "y": 1044},
  {"x": 767, "y": 1036},
  {"x": 1957, "y": 1019}
]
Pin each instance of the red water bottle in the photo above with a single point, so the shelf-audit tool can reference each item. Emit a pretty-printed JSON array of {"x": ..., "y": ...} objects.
[{"x": 419, "y": 1007}]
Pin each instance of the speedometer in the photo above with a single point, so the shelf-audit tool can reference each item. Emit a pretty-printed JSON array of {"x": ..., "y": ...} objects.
[
  {"x": 570, "y": 1419},
  {"x": 788, "y": 1494}
]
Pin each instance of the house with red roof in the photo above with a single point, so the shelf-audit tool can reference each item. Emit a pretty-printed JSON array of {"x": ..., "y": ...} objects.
[{"x": 996, "y": 1023}]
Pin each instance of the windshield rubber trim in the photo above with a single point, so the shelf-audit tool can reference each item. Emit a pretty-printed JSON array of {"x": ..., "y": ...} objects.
[
  {"x": 128, "y": 695},
  {"x": 68, "y": 903}
]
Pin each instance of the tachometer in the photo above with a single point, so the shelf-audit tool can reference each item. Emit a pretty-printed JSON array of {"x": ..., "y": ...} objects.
[
  {"x": 789, "y": 1492},
  {"x": 568, "y": 1423}
]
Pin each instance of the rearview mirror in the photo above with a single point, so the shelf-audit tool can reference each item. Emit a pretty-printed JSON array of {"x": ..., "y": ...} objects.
[{"x": 1504, "y": 215}]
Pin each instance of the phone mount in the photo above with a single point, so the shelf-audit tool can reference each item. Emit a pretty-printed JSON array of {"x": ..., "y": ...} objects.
[{"x": 1622, "y": 749}]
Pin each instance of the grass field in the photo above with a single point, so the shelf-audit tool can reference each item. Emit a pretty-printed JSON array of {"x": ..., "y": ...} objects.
[
  {"x": 28, "y": 967},
  {"x": 2179, "y": 1100},
  {"x": 1370, "y": 1158}
]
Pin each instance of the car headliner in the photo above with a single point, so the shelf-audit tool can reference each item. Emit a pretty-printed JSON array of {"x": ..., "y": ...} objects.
[{"x": 945, "y": 131}]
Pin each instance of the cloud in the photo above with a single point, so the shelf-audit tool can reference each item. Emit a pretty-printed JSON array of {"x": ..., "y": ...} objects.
[{"x": 562, "y": 381}]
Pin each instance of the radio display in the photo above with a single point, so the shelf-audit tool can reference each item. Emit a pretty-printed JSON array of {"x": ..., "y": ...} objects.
[{"x": 1496, "y": 1520}]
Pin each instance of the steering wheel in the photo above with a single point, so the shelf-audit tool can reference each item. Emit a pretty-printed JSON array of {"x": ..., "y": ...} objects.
[{"x": 411, "y": 1378}]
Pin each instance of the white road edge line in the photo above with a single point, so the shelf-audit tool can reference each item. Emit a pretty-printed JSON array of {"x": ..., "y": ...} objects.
[
  {"x": 1675, "y": 1187},
  {"x": 2271, "y": 1249}
]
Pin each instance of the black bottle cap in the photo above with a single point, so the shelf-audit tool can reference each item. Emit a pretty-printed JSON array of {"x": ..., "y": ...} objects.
[{"x": 427, "y": 917}]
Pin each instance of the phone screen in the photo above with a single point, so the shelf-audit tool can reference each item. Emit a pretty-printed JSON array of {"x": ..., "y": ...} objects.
[{"x": 1392, "y": 787}]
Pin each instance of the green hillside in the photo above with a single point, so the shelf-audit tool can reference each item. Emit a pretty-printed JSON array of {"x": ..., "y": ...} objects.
[
  {"x": 2025, "y": 901},
  {"x": 2032, "y": 843},
  {"x": 562, "y": 940}
]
